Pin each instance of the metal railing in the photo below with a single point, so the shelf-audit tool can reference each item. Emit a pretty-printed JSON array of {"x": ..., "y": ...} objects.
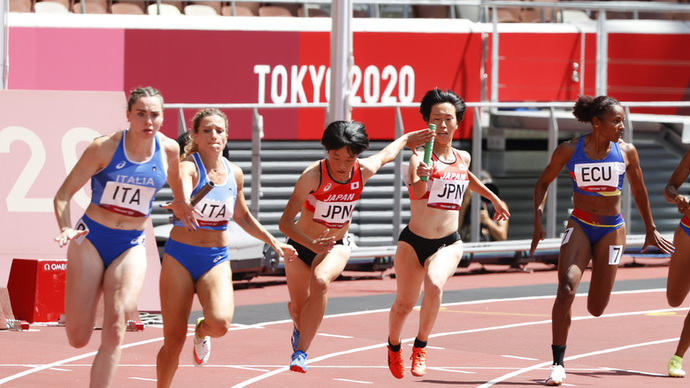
[
  {"x": 486, "y": 7},
  {"x": 548, "y": 109}
]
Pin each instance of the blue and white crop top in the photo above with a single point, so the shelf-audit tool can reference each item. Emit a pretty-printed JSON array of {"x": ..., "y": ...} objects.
[
  {"x": 218, "y": 205},
  {"x": 597, "y": 177},
  {"x": 128, "y": 187}
]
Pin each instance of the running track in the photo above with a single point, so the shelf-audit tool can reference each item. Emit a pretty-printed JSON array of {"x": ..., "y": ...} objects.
[{"x": 493, "y": 331}]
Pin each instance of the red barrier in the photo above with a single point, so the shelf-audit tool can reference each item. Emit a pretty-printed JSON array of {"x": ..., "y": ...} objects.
[{"x": 37, "y": 289}]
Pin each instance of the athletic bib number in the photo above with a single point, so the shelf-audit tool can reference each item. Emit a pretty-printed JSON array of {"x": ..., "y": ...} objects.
[
  {"x": 447, "y": 194},
  {"x": 615, "y": 253},
  {"x": 598, "y": 176},
  {"x": 125, "y": 198},
  {"x": 215, "y": 213},
  {"x": 334, "y": 214},
  {"x": 566, "y": 236},
  {"x": 80, "y": 226}
]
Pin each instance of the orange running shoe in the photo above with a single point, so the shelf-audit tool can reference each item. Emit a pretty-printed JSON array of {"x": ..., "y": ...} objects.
[
  {"x": 418, "y": 361},
  {"x": 395, "y": 363}
]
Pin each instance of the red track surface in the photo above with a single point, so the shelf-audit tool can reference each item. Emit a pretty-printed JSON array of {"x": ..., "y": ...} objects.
[{"x": 500, "y": 342}]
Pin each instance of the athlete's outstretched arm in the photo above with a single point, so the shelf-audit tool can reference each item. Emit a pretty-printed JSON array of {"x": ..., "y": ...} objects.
[
  {"x": 94, "y": 159},
  {"x": 372, "y": 164},
  {"x": 639, "y": 193},
  {"x": 244, "y": 218},
  {"x": 558, "y": 160}
]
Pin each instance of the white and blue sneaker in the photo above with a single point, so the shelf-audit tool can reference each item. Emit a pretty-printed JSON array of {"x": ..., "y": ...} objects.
[{"x": 299, "y": 362}]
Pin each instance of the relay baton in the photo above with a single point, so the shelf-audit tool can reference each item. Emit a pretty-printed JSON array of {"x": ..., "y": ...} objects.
[
  {"x": 199, "y": 195},
  {"x": 428, "y": 149}
]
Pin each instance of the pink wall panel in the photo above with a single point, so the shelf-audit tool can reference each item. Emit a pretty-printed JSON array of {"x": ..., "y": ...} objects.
[
  {"x": 42, "y": 135},
  {"x": 66, "y": 58}
]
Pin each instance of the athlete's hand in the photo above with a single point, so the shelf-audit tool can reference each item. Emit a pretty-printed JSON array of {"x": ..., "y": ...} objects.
[
  {"x": 323, "y": 244},
  {"x": 424, "y": 170},
  {"x": 654, "y": 238},
  {"x": 418, "y": 138},
  {"x": 184, "y": 212},
  {"x": 538, "y": 235},
  {"x": 502, "y": 212},
  {"x": 286, "y": 251},
  {"x": 69, "y": 234},
  {"x": 683, "y": 204}
]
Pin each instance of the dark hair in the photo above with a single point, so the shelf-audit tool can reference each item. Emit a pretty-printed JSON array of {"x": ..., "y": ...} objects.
[
  {"x": 437, "y": 96},
  {"x": 190, "y": 146},
  {"x": 587, "y": 108},
  {"x": 350, "y": 134},
  {"x": 138, "y": 93}
]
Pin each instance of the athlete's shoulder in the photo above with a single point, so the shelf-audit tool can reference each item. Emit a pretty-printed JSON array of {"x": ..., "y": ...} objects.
[
  {"x": 564, "y": 152},
  {"x": 462, "y": 153},
  {"x": 626, "y": 147},
  {"x": 106, "y": 144},
  {"x": 170, "y": 145}
]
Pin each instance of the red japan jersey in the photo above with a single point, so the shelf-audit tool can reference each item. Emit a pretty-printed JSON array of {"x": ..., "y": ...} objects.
[
  {"x": 333, "y": 202},
  {"x": 447, "y": 185}
]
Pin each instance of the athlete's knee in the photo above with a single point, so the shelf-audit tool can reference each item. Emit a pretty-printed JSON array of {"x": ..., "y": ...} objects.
[
  {"x": 433, "y": 290},
  {"x": 596, "y": 308},
  {"x": 319, "y": 285},
  {"x": 674, "y": 299},
  {"x": 217, "y": 326},
  {"x": 78, "y": 338},
  {"x": 174, "y": 342},
  {"x": 403, "y": 307},
  {"x": 113, "y": 334},
  {"x": 566, "y": 291}
]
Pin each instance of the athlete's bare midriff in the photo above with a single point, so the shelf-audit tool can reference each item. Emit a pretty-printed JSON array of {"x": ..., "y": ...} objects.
[{"x": 432, "y": 223}]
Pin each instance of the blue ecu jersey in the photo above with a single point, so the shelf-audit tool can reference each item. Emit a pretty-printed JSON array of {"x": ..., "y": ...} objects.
[
  {"x": 597, "y": 177},
  {"x": 128, "y": 187},
  {"x": 218, "y": 205}
]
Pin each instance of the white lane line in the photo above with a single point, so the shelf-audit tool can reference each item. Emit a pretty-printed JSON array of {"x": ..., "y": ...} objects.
[
  {"x": 468, "y": 331},
  {"x": 67, "y": 360},
  {"x": 142, "y": 379},
  {"x": 354, "y": 381},
  {"x": 262, "y": 324},
  {"x": 519, "y": 357},
  {"x": 335, "y": 335},
  {"x": 595, "y": 353}
]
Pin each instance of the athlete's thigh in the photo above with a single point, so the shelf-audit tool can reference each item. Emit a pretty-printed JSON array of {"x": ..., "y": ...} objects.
[
  {"x": 331, "y": 265},
  {"x": 679, "y": 269},
  {"x": 574, "y": 254},
  {"x": 409, "y": 274},
  {"x": 443, "y": 264},
  {"x": 214, "y": 289},
  {"x": 83, "y": 282},
  {"x": 177, "y": 295},
  {"x": 124, "y": 279},
  {"x": 606, "y": 256}
]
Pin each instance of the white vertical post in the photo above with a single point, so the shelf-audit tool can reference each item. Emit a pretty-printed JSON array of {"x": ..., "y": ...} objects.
[
  {"x": 341, "y": 60},
  {"x": 397, "y": 179},
  {"x": 257, "y": 135},
  {"x": 4, "y": 32},
  {"x": 602, "y": 54},
  {"x": 476, "y": 170},
  {"x": 494, "y": 55},
  {"x": 626, "y": 195}
]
